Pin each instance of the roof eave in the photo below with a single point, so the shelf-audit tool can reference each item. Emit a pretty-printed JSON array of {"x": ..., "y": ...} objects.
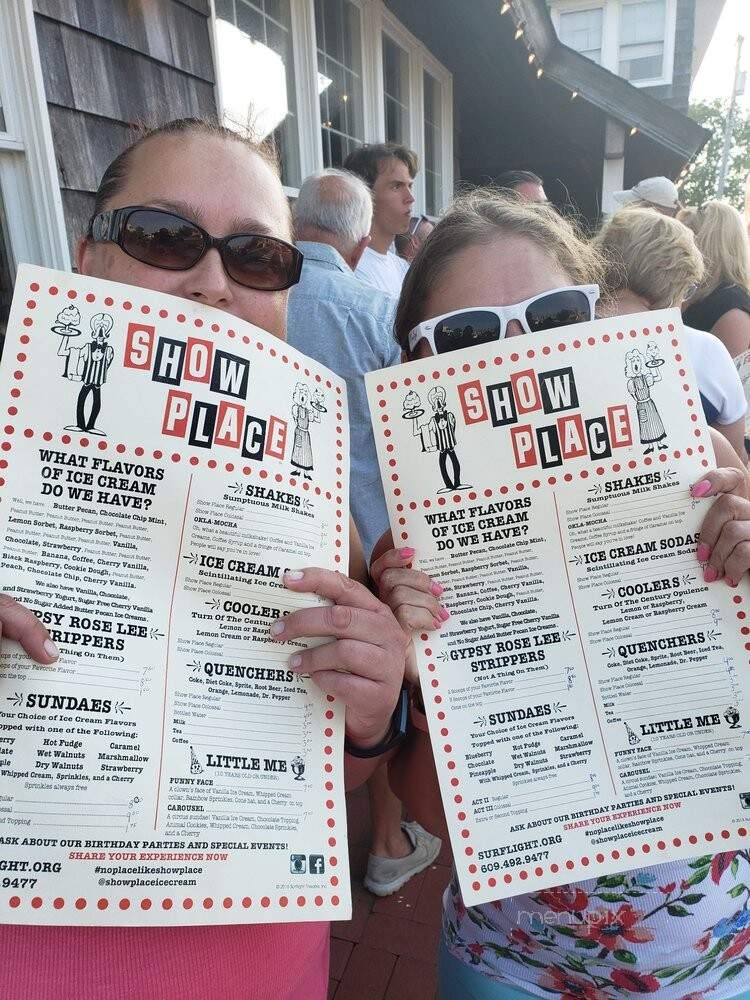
[{"x": 605, "y": 90}]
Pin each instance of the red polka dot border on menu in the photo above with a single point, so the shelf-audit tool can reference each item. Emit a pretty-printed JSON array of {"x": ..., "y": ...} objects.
[
  {"x": 164, "y": 465},
  {"x": 588, "y": 680}
]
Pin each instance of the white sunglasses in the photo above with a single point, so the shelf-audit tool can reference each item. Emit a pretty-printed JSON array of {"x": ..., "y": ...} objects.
[{"x": 484, "y": 324}]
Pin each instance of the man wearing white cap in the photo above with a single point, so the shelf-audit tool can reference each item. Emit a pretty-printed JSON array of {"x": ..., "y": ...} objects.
[{"x": 654, "y": 192}]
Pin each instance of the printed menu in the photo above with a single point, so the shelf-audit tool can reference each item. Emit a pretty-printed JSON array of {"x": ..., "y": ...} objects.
[
  {"x": 162, "y": 465},
  {"x": 587, "y": 699}
]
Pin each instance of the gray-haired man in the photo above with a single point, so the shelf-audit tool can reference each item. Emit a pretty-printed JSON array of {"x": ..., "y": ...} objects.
[
  {"x": 348, "y": 326},
  {"x": 343, "y": 323}
]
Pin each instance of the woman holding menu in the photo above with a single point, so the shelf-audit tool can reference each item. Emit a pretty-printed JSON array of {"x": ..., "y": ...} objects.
[
  {"x": 184, "y": 176},
  {"x": 670, "y": 928}
]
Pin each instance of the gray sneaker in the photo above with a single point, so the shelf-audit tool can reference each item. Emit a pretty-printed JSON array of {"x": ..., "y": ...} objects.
[{"x": 386, "y": 875}]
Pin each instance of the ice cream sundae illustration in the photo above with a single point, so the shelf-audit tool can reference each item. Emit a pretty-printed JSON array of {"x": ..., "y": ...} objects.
[
  {"x": 414, "y": 411},
  {"x": 318, "y": 402},
  {"x": 195, "y": 765},
  {"x": 732, "y": 717},
  {"x": 67, "y": 327}
]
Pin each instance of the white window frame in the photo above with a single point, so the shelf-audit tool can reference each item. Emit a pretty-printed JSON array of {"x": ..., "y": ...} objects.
[
  {"x": 611, "y": 35},
  {"x": 375, "y": 19},
  {"x": 670, "y": 27},
  {"x": 387, "y": 25},
  {"x": 445, "y": 79},
  {"x": 571, "y": 6},
  {"x": 366, "y": 61},
  {"x": 299, "y": 11},
  {"x": 381, "y": 21},
  {"x": 28, "y": 172}
]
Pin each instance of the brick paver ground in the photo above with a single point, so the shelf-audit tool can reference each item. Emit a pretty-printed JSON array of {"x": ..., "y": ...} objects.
[{"x": 388, "y": 950}]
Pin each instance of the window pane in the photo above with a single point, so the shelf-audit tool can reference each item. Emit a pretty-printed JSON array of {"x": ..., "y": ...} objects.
[
  {"x": 642, "y": 21},
  {"x": 396, "y": 91},
  {"x": 251, "y": 21},
  {"x": 433, "y": 144},
  {"x": 642, "y": 28},
  {"x": 432, "y": 193},
  {"x": 224, "y": 9},
  {"x": 338, "y": 150},
  {"x": 278, "y": 10},
  {"x": 582, "y": 30},
  {"x": 644, "y": 68},
  {"x": 339, "y": 39},
  {"x": 256, "y": 60},
  {"x": 352, "y": 37}
]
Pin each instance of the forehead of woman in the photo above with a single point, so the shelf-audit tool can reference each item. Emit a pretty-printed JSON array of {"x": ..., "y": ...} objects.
[
  {"x": 222, "y": 184},
  {"x": 507, "y": 270}
]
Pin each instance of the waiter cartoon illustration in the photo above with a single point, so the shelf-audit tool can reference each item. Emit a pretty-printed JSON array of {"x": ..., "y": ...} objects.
[
  {"x": 92, "y": 367},
  {"x": 442, "y": 431}
]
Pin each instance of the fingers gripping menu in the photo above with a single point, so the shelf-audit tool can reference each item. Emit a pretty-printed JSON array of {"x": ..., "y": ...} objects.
[
  {"x": 170, "y": 767},
  {"x": 586, "y": 700}
]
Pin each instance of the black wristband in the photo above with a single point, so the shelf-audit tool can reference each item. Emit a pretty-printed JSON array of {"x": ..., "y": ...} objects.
[{"x": 394, "y": 737}]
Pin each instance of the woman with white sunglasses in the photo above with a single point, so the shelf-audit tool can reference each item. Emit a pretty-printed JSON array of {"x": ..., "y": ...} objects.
[{"x": 497, "y": 267}]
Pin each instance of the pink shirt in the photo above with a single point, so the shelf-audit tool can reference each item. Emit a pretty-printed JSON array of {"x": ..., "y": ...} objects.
[{"x": 234, "y": 962}]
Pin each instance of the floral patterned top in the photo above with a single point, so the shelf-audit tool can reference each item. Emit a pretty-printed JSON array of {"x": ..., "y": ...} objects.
[{"x": 681, "y": 930}]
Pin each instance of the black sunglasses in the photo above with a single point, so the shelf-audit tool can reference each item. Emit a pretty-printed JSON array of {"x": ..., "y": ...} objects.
[
  {"x": 415, "y": 223},
  {"x": 163, "y": 239}
]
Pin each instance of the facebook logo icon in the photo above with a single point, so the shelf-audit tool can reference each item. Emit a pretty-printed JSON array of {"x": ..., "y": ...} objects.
[{"x": 317, "y": 865}]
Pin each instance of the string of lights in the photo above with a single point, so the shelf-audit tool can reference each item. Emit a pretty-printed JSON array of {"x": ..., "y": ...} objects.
[{"x": 507, "y": 7}]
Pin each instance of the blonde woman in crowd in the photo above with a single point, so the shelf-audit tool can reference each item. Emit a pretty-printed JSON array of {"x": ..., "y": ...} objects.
[
  {"x": 652, "y": 262},
  {"x": 721, "y": 304}
]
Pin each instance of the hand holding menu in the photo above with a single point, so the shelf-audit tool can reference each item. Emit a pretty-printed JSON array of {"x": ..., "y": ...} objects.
[
  {"x": 587, "y": 700},
  {"x": 163, "y": 464}
]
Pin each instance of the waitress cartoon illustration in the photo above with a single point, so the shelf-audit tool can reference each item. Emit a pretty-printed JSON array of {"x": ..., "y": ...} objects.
[
  {"x": 302, "y": 414},
  {"x": 642, "y": 374}
]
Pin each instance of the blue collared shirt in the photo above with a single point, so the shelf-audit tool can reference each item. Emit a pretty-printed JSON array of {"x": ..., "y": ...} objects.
[{"x": 347, "y": 326}]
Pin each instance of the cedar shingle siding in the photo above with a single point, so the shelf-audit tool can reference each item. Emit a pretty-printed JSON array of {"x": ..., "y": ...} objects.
[
  {"x": 108, "y": 65},
  {"x": 677, "y": 94}
]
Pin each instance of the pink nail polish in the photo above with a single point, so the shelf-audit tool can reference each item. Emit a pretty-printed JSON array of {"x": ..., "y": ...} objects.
[
  {"x": 703, "y": 552},
  {"x": 445, "y": 614},
  {"x": 701, "y": 489},
  {"x": 406, "y": 553},
  {"x": 436, "y": 623},
  {"x": 710, "y": 574},
  {"x": 436, "y": 588},
  {"x": 51, "y": 649},
  {"x": 729, "y": 582}
]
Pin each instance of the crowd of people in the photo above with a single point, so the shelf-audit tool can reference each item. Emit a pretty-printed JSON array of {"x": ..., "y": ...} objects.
[{"x": 372, "y": 274}]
